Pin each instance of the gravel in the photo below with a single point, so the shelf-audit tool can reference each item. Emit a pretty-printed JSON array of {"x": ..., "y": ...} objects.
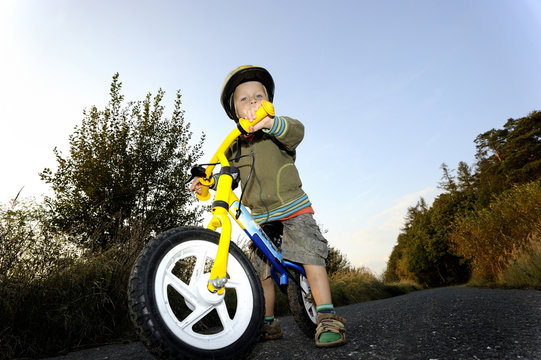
[{"x": 446, "y": 323}]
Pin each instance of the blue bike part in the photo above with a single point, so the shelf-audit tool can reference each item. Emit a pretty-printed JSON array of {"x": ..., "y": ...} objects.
[
  {"x": 295, "y": 266},
  {"x": 278, "y": 267},
  {"x": 251, "y": 228}
]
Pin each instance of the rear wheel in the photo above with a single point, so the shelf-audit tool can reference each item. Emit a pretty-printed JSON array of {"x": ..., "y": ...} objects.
[
  {"x": 302, "y": 304},
  {"x": 172, "y": 309}
]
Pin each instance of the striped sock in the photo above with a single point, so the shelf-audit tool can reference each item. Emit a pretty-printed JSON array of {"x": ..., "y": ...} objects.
[
  {"x": 326, "y": 309},
  {"x": 269, "y": 320}
]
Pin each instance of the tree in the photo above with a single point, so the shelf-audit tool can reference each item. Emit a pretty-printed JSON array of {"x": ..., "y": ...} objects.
[
  {"x": 423, "y": 253},
  {"x": 127, "y": 165},
  {"x": 493, "y": 237},
  {"x": 466, "y": 178},
  {"x": 447, "y": 182},
  {"x": 336, "y": 262},
  {"x": 509, "y": 156},
  {"x": 427, "y": 249}
]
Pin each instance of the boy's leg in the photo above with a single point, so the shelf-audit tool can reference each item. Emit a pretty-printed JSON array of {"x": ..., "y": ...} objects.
[
  {"x": 319, "y": 283},
  {"x": 268, "y": 291},
  {"x": 330, "y": 329},
  {"x": 271, "y": 327},
  {"x": 303, "y": 243}
]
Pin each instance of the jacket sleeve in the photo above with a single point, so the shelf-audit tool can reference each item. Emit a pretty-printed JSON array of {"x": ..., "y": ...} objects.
[{"x": 287, "y": 131}]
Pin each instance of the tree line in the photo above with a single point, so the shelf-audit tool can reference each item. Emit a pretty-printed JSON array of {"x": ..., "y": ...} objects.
[{"x": 487, "y": 218}]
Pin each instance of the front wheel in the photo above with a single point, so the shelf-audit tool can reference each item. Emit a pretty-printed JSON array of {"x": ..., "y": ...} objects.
[
  {"x": 172, "y": 309},
  {"x": 302, "y": 303}
]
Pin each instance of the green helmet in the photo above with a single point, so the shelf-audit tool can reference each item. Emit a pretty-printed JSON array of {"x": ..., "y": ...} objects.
[{"x": 241, "y": 75}]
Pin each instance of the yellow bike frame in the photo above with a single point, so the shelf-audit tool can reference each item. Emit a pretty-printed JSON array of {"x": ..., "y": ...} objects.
[{"x": 225, "y": 195}]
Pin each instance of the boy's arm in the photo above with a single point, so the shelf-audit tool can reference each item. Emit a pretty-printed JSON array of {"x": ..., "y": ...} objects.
[
  {"x": 196, "y": 185},
  {"x": 287, "y": 131}
]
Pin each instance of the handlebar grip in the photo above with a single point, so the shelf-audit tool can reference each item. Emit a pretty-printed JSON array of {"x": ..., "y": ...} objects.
[
  {"x": 205, "y": 194},
  {"x": 266, "y": 109},
  {"x": 205, "y": 185}
]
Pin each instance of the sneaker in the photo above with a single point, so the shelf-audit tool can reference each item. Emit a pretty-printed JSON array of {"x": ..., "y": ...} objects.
[{"x": 272, "y": 331}]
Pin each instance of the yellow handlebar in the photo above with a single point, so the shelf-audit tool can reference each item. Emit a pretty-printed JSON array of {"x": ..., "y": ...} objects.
[
  {"x": 225, "y": 196},
  {"x": 205, "y": 195},
  {"x": 266, "y": 109}
]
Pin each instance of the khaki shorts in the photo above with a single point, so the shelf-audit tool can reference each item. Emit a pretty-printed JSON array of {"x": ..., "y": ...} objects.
[{"x": 302, "y": 243}]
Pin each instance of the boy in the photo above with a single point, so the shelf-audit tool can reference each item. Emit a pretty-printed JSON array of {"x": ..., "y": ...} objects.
[{"x": 273, "y": 192}]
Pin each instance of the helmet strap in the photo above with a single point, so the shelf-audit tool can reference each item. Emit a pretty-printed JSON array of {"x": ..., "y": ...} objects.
[{"x": 241, "y": 129}]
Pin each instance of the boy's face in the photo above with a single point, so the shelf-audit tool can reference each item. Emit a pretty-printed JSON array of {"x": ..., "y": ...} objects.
[{"x": 247, "y": 98}]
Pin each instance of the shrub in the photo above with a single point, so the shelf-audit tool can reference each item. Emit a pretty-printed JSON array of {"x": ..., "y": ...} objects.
[
  {"x": 55, "y": 297},
  {"x": 496, "y": 236},
  {"x": 525, "y": 270}
]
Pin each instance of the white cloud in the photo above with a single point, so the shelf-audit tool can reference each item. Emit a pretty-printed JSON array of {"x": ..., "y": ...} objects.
[{"x": 370, "y": 242}]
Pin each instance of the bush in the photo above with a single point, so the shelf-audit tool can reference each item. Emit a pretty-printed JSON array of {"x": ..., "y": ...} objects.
[
  {"x": 57, "y": 297},
  {"x": 54, "y": 297},
  {"x": 496, "y": 237},
  {"x": 127, "y": 164},
  {"x": 80, "y": 305},
  {"x": 525, "y": 270},
  {"x": 354, "y": 286}
]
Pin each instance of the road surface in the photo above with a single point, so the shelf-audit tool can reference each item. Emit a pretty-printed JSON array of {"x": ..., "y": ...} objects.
[{"x": 447, "y": 323}]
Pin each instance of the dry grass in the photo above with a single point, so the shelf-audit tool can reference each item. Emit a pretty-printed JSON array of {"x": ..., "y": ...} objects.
[
  {"x": 522, "y": 271},
  {"x": 55, "y": 300},
  {"x": 525, "y": 271},
  {"x": 495, "y": 237},
  {"x": 355, "y": 286}
]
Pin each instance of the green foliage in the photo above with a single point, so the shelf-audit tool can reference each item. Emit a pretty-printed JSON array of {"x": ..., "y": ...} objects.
[
  {"x": 492, "y": 237},
  {"x": 423, "y": 253},
  {"x": 28, "y": 253},
  {"x": 53, "y": 296},
  {"x": 354, "y": 286},
  {"x": 126, "y": 164},
  {"x": 525, "y": 270},
  {"x": 508, "y": 156},
  {"x": 28, "y": 247},
  {"x": 64, "y": 264},
  {"x": 76, "y": 305},
  {"x": 336, "y": 262},
  {"x": 396, "y": 267},
  {"x": 469, "y": 226}
]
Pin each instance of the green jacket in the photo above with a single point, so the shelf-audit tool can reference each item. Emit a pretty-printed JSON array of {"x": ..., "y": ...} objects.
[{"x": 274, "y": 189}]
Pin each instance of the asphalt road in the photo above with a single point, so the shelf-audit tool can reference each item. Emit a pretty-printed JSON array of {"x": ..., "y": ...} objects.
[{"x": 448, "y": 323}]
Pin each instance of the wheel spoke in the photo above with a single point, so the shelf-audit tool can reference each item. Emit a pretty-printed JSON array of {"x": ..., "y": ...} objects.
[
  {"x": 231, "y": 283},
  {"x": 199, "y": 313},
  {"x": 304, "y": 284},
  {"x": 199, "y": 266},
  {"x": 223, "y": 314},
  {"x": 182, "y": 288}
]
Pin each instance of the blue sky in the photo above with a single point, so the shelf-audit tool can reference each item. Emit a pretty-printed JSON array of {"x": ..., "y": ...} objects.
[{"x": 387, "y": 90}]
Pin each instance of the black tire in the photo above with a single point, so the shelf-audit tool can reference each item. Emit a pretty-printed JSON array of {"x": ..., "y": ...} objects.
[
  {"x": 302, "y": 304},
  {"x": 169, "y": 303}
]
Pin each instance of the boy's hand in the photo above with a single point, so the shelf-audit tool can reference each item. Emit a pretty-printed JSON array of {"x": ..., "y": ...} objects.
[
  {"x": 196, "y": 186},
  {"x": 266, "y": 123}
]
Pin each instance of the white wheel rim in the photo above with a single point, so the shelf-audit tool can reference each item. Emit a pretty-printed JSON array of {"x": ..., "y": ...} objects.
[
  {"x": 199, "y": 300},
  {"x": 307, "y": 300}
]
